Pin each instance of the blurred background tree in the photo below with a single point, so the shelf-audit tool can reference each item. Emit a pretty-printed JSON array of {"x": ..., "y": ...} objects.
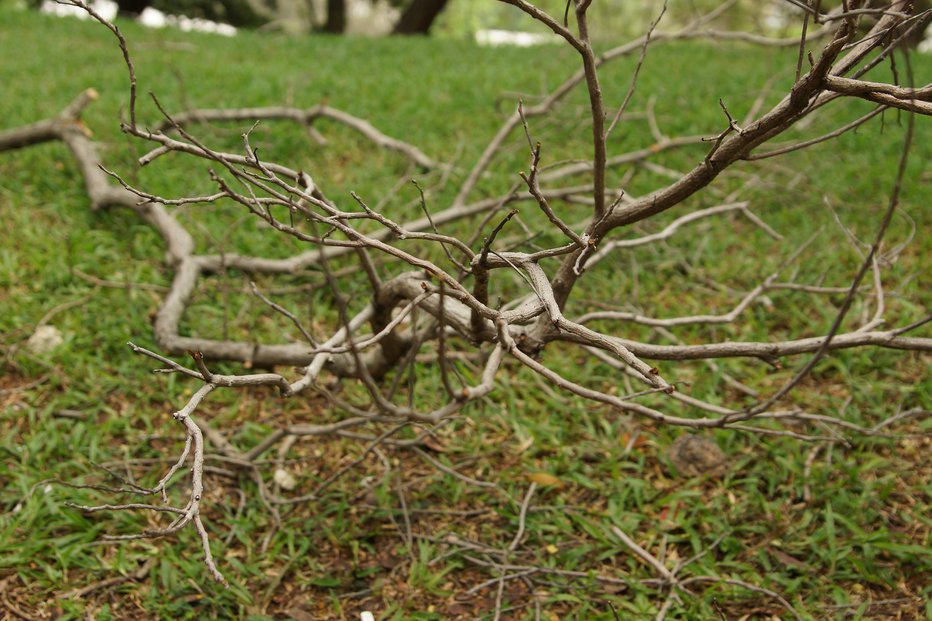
[
  {"x": 240, "y": 13},
  {"x": 609, "y": 19},
  {"x": 418, "y": 17}
]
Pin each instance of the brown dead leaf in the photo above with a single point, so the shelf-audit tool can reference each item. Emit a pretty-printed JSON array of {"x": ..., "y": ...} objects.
[
  {"x": 523, "y": 445},
  {"x": 388, "y": 559},
  {"x": 434, "y": 444},
  {"x": 640, "y": 441},
  {"x": 299, "y": 614},
  {"x": 544, "y": 479},
  {"x": 786, "y": 559}
]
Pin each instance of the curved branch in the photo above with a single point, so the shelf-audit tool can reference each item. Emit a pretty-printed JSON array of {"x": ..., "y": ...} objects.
[{"x": 305, "y": 117}]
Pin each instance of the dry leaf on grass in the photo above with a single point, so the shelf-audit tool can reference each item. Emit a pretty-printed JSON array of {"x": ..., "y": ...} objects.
[{"x": 545, "y": 480}]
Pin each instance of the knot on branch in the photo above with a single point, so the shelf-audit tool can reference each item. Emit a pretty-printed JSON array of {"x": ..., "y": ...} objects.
[{"x": 530, "y": 345}]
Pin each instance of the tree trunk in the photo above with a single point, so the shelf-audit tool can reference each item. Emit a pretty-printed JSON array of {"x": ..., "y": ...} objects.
[
  {"x": 336, "y": 16},
  {"x": 132, "y": 8},
  {"x": 419, "y": 17}
]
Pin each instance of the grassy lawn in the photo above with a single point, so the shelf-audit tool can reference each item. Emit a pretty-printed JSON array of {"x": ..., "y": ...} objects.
[{"x": 840, "y": 530}]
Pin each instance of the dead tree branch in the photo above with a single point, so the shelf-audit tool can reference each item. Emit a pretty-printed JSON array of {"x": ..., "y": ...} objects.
[{"x": 428, "y": 305}]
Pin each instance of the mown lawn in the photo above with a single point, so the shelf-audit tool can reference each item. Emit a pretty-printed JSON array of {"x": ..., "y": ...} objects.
[{"x": 840, "y": 530}]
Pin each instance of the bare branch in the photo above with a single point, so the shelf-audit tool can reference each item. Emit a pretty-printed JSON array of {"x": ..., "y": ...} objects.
[{"x": 396, "y": 307}]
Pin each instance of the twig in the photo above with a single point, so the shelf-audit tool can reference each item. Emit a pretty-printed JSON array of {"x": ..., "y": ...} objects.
[{"x": 522, "y": 516}]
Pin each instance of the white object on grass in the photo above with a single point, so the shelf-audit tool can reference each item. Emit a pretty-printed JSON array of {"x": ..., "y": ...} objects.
[
  {"x": 105, "y": 8},
  {"x": 150, "y": 17},
  {"x": 44, "y": 340},
  {"x": 513, "y": 37},
  {"x": 285, "y": 479},
  {"x": 153, "y": 18}
]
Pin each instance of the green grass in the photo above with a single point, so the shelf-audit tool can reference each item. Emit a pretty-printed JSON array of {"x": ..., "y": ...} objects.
[{"x": 863, "y": 534}]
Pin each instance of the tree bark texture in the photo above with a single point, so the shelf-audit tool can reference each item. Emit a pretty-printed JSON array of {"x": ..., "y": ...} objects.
[{"x": 418, "y": 17}]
